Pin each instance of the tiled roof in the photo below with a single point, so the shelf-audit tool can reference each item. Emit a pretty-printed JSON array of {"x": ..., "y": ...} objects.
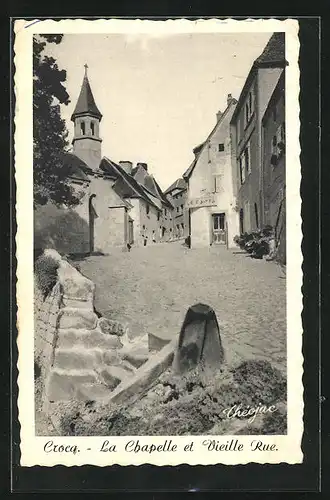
[
  {"x": 86, "y": 103},
  {"x": 178, "y": 184},
  {"x": 274, "y": 50},
  {"x": 77, "y": 168},
  {"x": 189, "y": 170},
  {"x": 128, "y": 186},
  {"x": 273, "y": 55},
  {"x": 162, "y": 195}
]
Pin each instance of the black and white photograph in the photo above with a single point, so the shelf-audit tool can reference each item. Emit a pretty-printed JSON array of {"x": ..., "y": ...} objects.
[{"x": 160, "y": 214}]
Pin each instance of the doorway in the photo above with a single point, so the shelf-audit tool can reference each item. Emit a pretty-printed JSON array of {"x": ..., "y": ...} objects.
[
  {"x": 241, "y": 221},
  {"x": 92, "y": 216},
  {"x": 219, "y": 228},
  {"x": 130, "y": 231}
]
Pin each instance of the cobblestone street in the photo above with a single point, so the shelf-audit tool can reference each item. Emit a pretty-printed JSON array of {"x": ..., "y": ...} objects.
[{"x": 151, "y": 289}]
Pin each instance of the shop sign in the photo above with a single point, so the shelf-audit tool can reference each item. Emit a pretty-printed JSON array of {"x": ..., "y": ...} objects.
[{"x": 207, "y": 200}]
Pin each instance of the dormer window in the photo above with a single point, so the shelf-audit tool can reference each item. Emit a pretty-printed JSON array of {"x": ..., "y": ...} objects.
[
  {"x": 82, "y": 128},
  {"x": 92, "y": 128}
]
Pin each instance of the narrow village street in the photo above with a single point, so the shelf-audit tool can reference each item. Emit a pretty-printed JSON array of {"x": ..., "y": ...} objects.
[{"x": 151, "y": 289}]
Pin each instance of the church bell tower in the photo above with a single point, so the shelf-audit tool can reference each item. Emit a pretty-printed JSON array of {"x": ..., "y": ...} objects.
[{"x": 86, "y": 118}]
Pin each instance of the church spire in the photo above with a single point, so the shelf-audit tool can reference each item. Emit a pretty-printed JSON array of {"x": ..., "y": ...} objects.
[
  {"x": 86, "y": 117},
  {"x": 86, "y": 103}
]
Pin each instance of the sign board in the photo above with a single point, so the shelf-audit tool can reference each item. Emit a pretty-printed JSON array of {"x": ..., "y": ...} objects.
[{"x": 207, "y": 200}]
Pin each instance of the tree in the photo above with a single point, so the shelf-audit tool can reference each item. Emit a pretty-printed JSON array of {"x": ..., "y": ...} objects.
[{"x": 49, "y": 129}]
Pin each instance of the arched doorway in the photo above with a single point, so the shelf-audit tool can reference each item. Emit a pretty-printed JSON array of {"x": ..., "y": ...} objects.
[{"x": 92, "y": 216}]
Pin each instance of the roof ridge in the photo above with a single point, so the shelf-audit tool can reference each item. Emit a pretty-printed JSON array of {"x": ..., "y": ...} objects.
[{"x": 131, "y": 181}]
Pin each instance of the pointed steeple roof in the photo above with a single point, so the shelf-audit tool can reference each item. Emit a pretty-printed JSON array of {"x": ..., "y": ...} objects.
[{"x": 86, "y": 103}]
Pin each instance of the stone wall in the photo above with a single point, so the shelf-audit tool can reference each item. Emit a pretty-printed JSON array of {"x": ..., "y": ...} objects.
[
  {"x": 80, "y": 356},
  {"x": 45, "y": 326}
]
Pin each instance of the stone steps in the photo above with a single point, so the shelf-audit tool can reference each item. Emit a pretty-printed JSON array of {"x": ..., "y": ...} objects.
[
  {"x": 75, "y": 317},
  {"x": 68, "y": 337}
]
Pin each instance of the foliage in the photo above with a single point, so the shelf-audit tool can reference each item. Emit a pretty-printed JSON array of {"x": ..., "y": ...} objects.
[
  {"x": 60, "y": 228},
  {"x": 256, "y": 243},
  {"x": 49, "y": 130},
  {"x": 189, "y": 404},
  {"x": 45, "y": 269}
]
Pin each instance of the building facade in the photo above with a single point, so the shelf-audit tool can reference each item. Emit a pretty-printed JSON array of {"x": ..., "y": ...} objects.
[
  {"x": 120, "y": 206},
  {"x": 177, "y": 195},
  {"x": 246, "y": 133},
  {"x": 273, "y": 150},
  {"x": 211, "y": 204}
]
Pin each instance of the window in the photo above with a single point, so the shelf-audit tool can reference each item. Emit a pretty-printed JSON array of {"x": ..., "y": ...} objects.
[
  {"x": 247, "y": 114},
  {"x": 274, "y": 113},
  {"x": 158, "y": 215},
  {"x": 143, "y": 227},
  {"x": 165, "y": 212},
  {"x": 177, "y": 209},
  {"x": 247, "y": 159},
  {"x": 219, "y": 222},
  {"x": 92, "y": 128},
  {"x": 82, "y": 128},
  {"x": 256, "y": 215},
  {"x": 238, "y": 130},
  {"x": 241, "y": 170},
  {"x": 274, "y": 145},
  {"x": 147, "y": 209},
  {"x": 249, "y": 108},
  {"x": 280, "y": 136},
  {"x": 217, "y": 183},
  {"x": 221, "y": 147},
  {"x": 250, "y": 102},
  {"x": 181, "y": 208}
]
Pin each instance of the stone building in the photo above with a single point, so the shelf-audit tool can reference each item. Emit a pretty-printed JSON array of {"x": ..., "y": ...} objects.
[
  {"x": 210, "y": 195},
  {"x": 120, "y": 206},
  {"x": 273, "y": 150},
  {"x": 177, "y": 194},
  {"x": 246, "y": 132}
]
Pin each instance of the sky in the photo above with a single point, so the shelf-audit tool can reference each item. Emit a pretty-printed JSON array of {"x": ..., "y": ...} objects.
[{"x": 158, "y": 95}]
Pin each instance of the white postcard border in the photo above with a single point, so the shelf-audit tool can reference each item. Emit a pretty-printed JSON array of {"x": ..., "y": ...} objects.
[{"x": 288, "y": 447}]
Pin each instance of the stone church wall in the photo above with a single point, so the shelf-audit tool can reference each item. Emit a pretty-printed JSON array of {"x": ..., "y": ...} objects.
[{"x": 110, "y": 222}]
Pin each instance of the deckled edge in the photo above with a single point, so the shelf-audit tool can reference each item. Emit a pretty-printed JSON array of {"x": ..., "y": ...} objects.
[{"x": 20, "y": 267}]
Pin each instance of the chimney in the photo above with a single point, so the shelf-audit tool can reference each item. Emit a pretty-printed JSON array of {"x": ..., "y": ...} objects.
[
  {"x": 219, "y": 115},
  {"x": 127, "y": 166},
  {"x": 229, "y": 99},
  {"x": 143, "y": 165}
]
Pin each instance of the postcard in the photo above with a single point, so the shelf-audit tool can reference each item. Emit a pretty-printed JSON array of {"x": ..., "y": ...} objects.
[{"x": 158, "y": 241}]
